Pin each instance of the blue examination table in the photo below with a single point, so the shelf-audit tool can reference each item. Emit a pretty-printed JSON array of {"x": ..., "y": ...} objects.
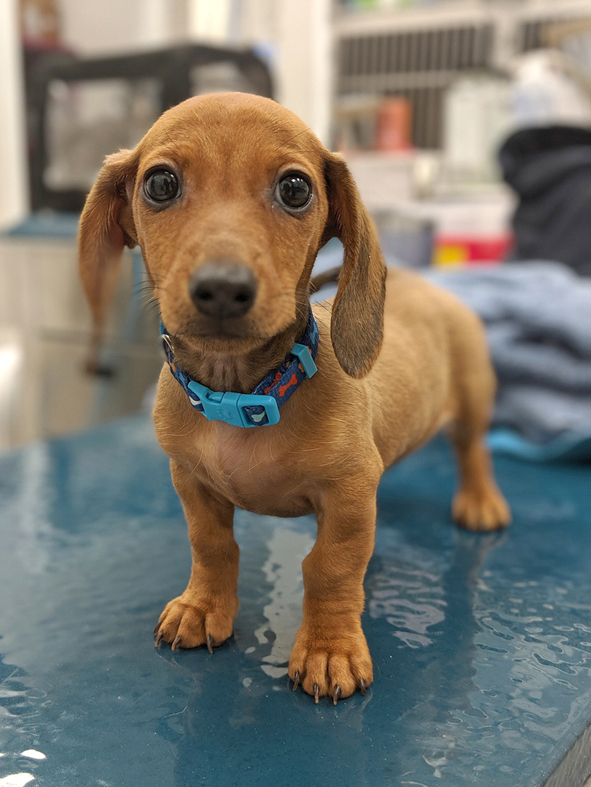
[{"x": 481, "y": 644}]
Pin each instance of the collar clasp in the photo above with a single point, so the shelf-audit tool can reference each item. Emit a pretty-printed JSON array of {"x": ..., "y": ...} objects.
[{"x": 230, "y": 407}]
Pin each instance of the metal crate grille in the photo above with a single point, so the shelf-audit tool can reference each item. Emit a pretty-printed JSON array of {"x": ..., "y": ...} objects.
[
  {"x": 418, "y": 65},
  {"x": 532, "y": 34}
]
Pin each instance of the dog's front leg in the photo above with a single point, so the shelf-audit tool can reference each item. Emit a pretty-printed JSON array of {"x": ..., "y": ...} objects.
[
  {"x": 204, "y": 614},
  {"x": 330, "y": 655}
]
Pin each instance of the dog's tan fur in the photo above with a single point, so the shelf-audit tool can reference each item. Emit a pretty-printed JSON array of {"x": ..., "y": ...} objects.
[{"x": 371, "y": 402}]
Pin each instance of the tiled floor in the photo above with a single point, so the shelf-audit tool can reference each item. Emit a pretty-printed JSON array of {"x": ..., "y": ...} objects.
[{"x": 44, "y": 341}]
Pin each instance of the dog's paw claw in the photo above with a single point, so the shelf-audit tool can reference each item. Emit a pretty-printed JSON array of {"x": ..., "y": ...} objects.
[
  {"x": 331, "y": 668},
  {"x": 336, "y": 696},
  {"x": 186, "y": 623}
]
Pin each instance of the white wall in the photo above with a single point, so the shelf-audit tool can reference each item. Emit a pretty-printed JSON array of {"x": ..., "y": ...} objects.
[
  {"x": 301, "y": 35},
  {"x": 95, "y": 27},
  {"x": 305, "y": 62},
  {"x": 209, "y": 21},
  {"x": 14, "y": 191}
]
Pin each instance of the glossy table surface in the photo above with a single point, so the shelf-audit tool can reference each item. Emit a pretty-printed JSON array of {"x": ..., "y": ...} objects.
[{"x": 481, "y": 644}]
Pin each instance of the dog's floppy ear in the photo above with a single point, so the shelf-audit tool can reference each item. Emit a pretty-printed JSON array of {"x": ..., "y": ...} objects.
[
  {"x": 358, "y": 314},
  {"x": 106, "y": 226}
]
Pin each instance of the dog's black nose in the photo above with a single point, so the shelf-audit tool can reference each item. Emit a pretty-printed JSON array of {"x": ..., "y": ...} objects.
[{"x": 223, "y": 289}]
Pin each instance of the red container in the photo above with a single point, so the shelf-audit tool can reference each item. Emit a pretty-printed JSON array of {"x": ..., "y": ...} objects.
[
  {"x": 460, "y": 250},
  {"x": 394, "y": 125}
]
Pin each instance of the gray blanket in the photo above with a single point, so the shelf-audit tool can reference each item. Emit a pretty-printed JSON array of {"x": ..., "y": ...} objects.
[{"x": 538, "y": 318}]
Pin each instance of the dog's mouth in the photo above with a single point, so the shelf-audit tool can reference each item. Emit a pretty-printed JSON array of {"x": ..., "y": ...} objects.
[
  {"x": 206, "y": 335},
  {"x": 222, "y": 331},
  {"x": 227, "y": 337},
  {"x": 225, "y": 334},
  {"x": 221, "y": 339},
  {"x": 246, "y": 331}
]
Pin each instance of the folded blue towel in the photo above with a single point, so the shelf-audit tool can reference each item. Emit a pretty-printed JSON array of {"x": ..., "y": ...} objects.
[{"x": 538, "y": 320}]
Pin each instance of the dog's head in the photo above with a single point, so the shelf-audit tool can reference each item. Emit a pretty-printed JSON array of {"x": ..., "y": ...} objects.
[{"x": 230, "y": 197}]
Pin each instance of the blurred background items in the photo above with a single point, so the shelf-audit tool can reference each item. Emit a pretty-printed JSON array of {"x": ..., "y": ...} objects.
[{"x": 466, "y": 124}]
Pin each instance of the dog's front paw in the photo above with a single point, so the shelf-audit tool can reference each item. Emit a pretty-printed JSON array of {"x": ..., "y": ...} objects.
[
  {"x": 481, "y": 510},
  {"x": 187, "y": 623},
  {"x": 334, "y": 667}
]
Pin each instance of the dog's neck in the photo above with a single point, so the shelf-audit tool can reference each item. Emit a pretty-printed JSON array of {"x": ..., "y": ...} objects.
[{"x": 240, "y": 372}]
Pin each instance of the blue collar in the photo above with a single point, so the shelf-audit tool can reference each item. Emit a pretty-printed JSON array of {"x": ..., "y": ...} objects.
[{"x": 261, "y": 407}]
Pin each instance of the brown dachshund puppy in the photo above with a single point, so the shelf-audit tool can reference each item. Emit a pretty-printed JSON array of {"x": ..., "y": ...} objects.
[{"x": 230, "y": 197}]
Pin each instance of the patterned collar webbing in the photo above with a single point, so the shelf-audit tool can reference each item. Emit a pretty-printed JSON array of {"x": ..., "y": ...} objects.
[{"x": 261, "y": 407}]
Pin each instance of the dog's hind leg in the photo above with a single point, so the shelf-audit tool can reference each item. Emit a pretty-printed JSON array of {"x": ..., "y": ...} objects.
[{"x": 478, "y": 504}]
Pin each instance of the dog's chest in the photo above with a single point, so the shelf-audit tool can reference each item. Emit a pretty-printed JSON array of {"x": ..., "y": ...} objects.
[{"x": 253, "y": 473}]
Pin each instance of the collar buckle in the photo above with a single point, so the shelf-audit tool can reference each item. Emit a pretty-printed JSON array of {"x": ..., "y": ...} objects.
[
  {"x": 167, "y": 344},
  {"x": 304, "y": 355},
  {"x": 229, "y": 406}
]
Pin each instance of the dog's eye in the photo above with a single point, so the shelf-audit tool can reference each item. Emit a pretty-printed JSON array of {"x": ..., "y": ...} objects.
[
  {"x": 161, "y": 185},
  {"x": 294, "y": 191}
]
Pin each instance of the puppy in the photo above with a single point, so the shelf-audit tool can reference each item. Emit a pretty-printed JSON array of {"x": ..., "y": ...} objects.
[{"x": 230, "y": 197}]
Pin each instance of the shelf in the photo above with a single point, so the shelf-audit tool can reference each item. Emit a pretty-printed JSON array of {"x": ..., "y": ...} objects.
[{"x": 349, "y": 23}]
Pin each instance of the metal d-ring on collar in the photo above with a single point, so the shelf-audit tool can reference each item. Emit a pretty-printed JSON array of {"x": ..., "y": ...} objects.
[{"x": 261, "y": 407}]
